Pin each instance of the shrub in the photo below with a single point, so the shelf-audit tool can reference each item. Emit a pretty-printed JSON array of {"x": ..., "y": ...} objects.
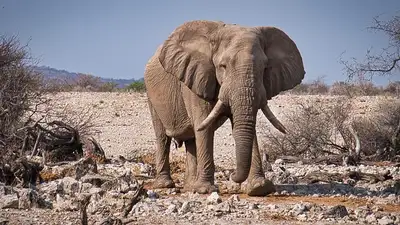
[
  {"x": 301, "y": 88},
  {"x": 82, "y": 83},
  {"x": 137, "y": 86},
  {"x": 108, "y": 87},
  {"x": 315, "y": 130},
  {"x": 393, "y": 88},
  {"x": 314, "y": 87},
  {"x": 26, "y": 125},
  {"x": 367, "y": 88},
  {"x": 379, "y": 134},
  {"x": 341, "y": 88},
  {"x": 318, "y": 86},
  {"x": 318, "y": 130},
  {"x": 20, "y": 87}
]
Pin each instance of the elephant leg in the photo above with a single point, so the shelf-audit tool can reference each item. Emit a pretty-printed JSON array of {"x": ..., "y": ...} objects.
[
  {"x": 257, "y": 184},
  {"x": 191, "y": 164},
  {"x": 163, "y": 172},
  {"x": 205, "y": 162}
]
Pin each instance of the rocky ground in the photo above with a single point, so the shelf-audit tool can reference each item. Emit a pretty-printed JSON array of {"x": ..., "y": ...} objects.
[{"x": 107, "y": 190}]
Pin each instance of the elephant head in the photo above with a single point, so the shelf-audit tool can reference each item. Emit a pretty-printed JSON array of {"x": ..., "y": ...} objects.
[{"x": 239, "y": 68}]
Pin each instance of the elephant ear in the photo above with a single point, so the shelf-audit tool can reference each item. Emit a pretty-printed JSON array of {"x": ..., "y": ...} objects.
[
  {"x": 285, "y": 67},
  {"x": 187, "y": 54}
]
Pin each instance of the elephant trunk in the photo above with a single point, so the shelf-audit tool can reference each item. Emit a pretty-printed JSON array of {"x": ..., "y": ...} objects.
[{"x": 244, "y": 115}]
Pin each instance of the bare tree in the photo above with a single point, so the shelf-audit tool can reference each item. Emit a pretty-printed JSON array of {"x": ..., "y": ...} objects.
[{"x": 384, "y": 63}]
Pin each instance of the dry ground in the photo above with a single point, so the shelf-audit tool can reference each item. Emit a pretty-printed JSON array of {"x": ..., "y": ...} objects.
[
  {"x": 124, "y": 122},
  {"x": 124, "y": 127}
]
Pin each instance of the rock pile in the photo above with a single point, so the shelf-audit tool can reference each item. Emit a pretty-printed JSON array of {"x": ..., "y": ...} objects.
[{"x": 116, "y": 193}]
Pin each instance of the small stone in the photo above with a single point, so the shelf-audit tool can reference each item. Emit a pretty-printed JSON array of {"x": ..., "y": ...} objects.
[
  {"x": 172, "y": 191},
  {"x": 302, "y": 217},
  {"x": 122, "y": 184},
  {"x": 69, "y": 185},
  {"x": 63, "y": 204},
  {"x": 338, "y": 211},
  {"x": 95, "y": 190},
  {"x": 51, "y": 188},
  {"x": 253, "y": 206},
  {"x": 184, "y": 208},
  {"x": 279, "y": 161},
  {"x": 9, "y": 201},
  {"x": 152, "y": 194},
  {"x": 4, "y": 221},
  {"x": 299, "y": 209},
  {"x": 272, "y": 206},
  {"x": 377, "y": 208},
  {"x": 94, "y": 179},
  {"x": 24, "y": 201},
  {"x": 171, "y": 209},
  {"x": 214, "y": 198},
  {"x": 190, "y": 218},
  {"x": 371, "y": 218},
  {"x": 234, "y": 198},
  {"x": 193, "y": 195},
  {"x": 223, "y": 207},
  {"x": 385, "y": 221}
]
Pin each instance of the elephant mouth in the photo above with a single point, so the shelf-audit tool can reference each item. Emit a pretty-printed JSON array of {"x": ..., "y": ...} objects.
[{"x": 220, "y": 108}]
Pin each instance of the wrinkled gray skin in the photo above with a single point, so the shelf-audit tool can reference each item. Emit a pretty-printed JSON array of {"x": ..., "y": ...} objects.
[{"x": 205, "y": 73}]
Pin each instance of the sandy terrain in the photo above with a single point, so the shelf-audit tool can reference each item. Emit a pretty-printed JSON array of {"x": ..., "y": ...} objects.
[{"x": 124, "y": 122}]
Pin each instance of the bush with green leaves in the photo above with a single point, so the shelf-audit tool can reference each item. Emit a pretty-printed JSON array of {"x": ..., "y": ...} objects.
[{"x": 136, "y": 86}]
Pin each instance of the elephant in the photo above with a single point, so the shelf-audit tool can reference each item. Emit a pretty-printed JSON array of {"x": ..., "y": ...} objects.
[{"x": 205, "y": 73}]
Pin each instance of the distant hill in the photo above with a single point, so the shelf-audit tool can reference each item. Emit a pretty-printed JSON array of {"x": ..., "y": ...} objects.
[{"x": 52, "y": 73}]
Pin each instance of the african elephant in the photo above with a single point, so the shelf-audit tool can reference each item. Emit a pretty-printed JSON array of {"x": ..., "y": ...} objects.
[{"x": 206, "y": 72}]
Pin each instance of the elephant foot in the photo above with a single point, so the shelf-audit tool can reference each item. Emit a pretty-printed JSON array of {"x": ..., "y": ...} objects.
[
  {"x": 259, "y": 186},
  {"x": 203, "y": 187},
  {"x": 163, "y": 182},
  {"x": 188, "y": 185}
]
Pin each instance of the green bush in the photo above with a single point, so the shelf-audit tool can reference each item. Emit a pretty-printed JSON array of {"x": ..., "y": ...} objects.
[{"x": 136, "y": 86}]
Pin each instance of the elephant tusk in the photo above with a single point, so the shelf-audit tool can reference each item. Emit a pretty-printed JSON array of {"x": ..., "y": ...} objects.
[
  {"x": 272, "y": 118},
  {"x": 218, "y": 109}
]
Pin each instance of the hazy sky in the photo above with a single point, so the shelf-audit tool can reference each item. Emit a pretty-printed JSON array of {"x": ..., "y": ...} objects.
[{"x": 116, "y": 38}]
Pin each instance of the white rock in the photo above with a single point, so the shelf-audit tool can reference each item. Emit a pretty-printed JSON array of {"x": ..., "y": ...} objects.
[
  {"x": 214, "y": 198},
  {"x": 302, "y": 217},
  {"x": 70, "y": 185},
  {"x": 51, "y": 188},
  {"x": 223, "y": 207},
  {"x": 171, "y": 209},
  {"x": 9, "y": 201},
  {"x": 234, "y": 198},
  {"x": 24, "y": 201},
  {"x": 184, "y": 208},
  {"x": 253, "y": 206},
  {"x": 385, "y": 221},
  {"x": 272, "y": 206},
  {"x": 371, "y": 218},
  {"x": 298, "y": 209}
]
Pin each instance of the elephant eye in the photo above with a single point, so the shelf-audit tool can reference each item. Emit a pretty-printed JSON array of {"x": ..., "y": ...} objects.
[{"x": 222, "y": 66}]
